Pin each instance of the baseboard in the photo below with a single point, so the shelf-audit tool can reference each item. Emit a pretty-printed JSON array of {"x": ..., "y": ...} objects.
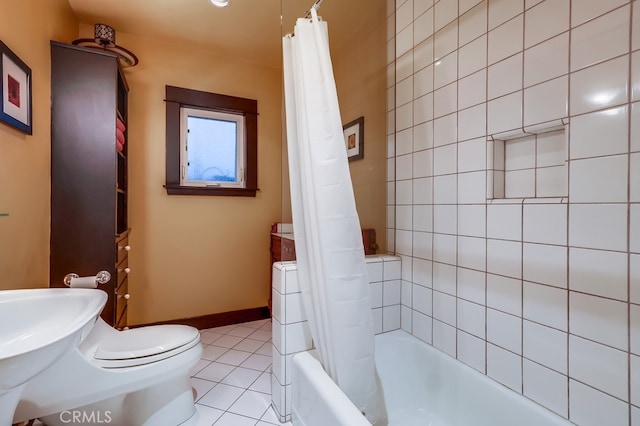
[{"x": 218, "y": 320}]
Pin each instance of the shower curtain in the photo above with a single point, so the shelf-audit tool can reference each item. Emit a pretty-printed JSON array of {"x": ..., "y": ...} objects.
[{"x": 332, "y": 272}]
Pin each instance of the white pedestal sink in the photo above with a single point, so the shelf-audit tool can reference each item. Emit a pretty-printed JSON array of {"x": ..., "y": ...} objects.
[{"x": 37, "y": 326}]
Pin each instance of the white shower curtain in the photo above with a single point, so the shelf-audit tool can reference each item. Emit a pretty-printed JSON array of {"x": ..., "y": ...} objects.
[{"x": 331, "y": 266}]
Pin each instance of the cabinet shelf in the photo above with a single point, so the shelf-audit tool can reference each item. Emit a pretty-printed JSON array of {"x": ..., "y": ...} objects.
[{"x": 100, "y": 92}]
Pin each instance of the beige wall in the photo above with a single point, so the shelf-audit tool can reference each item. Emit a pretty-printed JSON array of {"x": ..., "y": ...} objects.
[
  {"x": 359, "y": 66},
  {"x": 191, "y": 255},
  {"x": 360, "y": 73},
  {"x": 26, "y": 27},
  {"x": 196, "y": 255}
]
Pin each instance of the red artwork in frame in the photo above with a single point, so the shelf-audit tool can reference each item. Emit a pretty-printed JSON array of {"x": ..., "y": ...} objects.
[
  {"x": 15, "y": 91},
  {"x": 13, "y": 87}
]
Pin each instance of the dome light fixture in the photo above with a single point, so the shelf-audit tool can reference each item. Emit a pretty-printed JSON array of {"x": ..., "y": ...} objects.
[{"x": 220, "y": 3}]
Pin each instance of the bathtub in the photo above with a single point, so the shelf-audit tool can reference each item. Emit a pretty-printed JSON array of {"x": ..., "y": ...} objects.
[{"x": 422, "y": 386}]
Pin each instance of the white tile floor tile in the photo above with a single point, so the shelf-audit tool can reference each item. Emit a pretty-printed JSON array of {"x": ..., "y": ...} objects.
[
  {"x": 212, "y": 353},
  {"x": 241, "y": 377},
  {"x": 215, "y": 372},
  {"x": 251, "y": 404},
  {"x": 234, "y": 357},
  {"x": 257, "y": 362},
  {"x": 228, "y": 341},
  {"x": 222, "y": 396}
]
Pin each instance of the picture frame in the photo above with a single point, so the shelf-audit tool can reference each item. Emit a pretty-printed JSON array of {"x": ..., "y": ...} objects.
[
  {"x": 15, "y": 86},
  {"x": 354, "y": 139}
]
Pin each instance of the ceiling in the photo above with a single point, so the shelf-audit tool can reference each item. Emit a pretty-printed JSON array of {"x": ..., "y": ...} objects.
[{"x": 247, "y": 29}]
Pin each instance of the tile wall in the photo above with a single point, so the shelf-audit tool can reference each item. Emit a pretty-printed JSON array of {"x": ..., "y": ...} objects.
[
  {"x": 542, "y": 294},
  {"x": 290, "y": 328}
]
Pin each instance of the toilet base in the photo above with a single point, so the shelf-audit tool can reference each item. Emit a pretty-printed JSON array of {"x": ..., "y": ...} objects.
[{"x": 167, "y": 403}]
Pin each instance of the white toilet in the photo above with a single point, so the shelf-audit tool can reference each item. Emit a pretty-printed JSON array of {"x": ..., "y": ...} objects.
[{"x": 137, "y": 377}]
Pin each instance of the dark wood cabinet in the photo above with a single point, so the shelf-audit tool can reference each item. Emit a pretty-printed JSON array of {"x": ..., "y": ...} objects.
[
  {"x": 89, "y": 223},
  {"x": 283, "y": 247}
]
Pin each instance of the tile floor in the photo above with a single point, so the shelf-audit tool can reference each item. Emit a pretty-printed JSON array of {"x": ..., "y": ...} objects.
[{"x": 233, "y": 378}]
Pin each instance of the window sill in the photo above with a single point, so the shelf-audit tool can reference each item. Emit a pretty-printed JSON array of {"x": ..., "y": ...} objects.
[{"x": 195, "y": 190}]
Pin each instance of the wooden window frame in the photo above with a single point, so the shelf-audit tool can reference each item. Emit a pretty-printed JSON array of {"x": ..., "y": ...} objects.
[{"x": 175, "y": 99}]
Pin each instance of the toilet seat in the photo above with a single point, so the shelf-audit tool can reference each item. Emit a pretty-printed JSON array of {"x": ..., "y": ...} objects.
[{"x": 145, "y": 345}]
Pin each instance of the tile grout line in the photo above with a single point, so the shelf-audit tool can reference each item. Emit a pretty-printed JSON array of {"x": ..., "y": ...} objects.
[{"x": 629, "y": 116}]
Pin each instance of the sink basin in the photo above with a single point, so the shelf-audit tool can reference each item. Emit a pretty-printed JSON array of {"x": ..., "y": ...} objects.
[{"x": 37, "y": 326}]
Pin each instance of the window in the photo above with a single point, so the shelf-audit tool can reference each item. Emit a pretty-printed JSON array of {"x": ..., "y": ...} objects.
[
  {"x": 211, "y": 144},
  {"x": 211, "y": 149}
]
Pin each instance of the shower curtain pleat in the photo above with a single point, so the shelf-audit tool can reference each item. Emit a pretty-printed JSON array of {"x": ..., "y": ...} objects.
[{"x": 332, "y": 271}]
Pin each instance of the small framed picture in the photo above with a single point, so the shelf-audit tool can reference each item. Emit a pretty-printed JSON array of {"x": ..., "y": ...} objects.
[
  {"x": 354, "y": 139},
  {"x": 16, "y": 91}
]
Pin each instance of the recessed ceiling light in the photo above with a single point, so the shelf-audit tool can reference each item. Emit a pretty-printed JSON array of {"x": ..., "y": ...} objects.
[{"x": 220, "y": 3}]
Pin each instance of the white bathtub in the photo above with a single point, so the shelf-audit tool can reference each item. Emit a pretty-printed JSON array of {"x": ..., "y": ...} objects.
[{"x": 422, "y": 387}]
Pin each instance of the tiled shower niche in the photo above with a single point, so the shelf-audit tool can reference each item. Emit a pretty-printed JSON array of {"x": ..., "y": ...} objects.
[{"x": 529, "y": 165}]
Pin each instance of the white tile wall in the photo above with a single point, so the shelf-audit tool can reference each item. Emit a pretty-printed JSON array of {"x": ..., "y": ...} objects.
[
  {"x": 598, "y": 272},
  {"x": 545, "y": 346},
  {"x": 472, "y": 90},
  {"x": 471, "y": 318},
  {"x": 504, "y": 367},
  {"x": 472, "y": 155},
  {"x": 473, "y": 23},
  {"x": 504, "y": 258},
  {"x": 546, "y": 101},
  {"x": 598, "y": 226},
  {"x": 540, "y": 294},
  {"x": 471, "y": 252},
  {"x": 504, "y": 294},
  {"x": 290, "y": 328},
  {"x": 590, "y": 406},
  {"x": 504, "y": 221},
  {"x": 546, "y": 20},
  {"x": 599, "y": 319},
  {"x": 545, "y": 264},
  {"x": 501, "y": 11},
  {"x": 504, "y": 113},
  {"x": 445, "y": 73},
  {"x": 602, "y": 179},
  {"x": 634, "y": 278},
  {"x": 547, "y": 60},
  {"x": 471, "y": 220},
  {"x": 545, "y": 305},
  {"x": 444, "y": 337},
  {"x": 505, "y": 77},
  {"x": 472, "y": 57},
  {"x": 547, "y": 387},
  {"x": 446, "y": 11},
  {"x": 471, "y": 285},
  {"x": 600, "y": 133},
  {"x": 600, "y": 39},
  {"x": 599, "y": 366},
  {"x": 505, "y": 40},
  {"x": 545, "y": 223},
  {"x": 600, "y": 86},
  {"x": 587, "y": 9},
  {"x": 504, "y": 330},
  {"x": 471, "y": 351}
]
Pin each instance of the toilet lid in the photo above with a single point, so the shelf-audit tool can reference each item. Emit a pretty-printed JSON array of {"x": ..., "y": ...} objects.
[{"x": 146, "y": 341}]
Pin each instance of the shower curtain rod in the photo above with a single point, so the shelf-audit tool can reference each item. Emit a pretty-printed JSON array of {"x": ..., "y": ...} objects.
[{"x": 315, "y": 6}]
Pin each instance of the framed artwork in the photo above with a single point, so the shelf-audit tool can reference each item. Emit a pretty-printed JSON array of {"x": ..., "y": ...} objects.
[
  {"x": 354, "y": 139},
  {"x": 16, "y": 91}
]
